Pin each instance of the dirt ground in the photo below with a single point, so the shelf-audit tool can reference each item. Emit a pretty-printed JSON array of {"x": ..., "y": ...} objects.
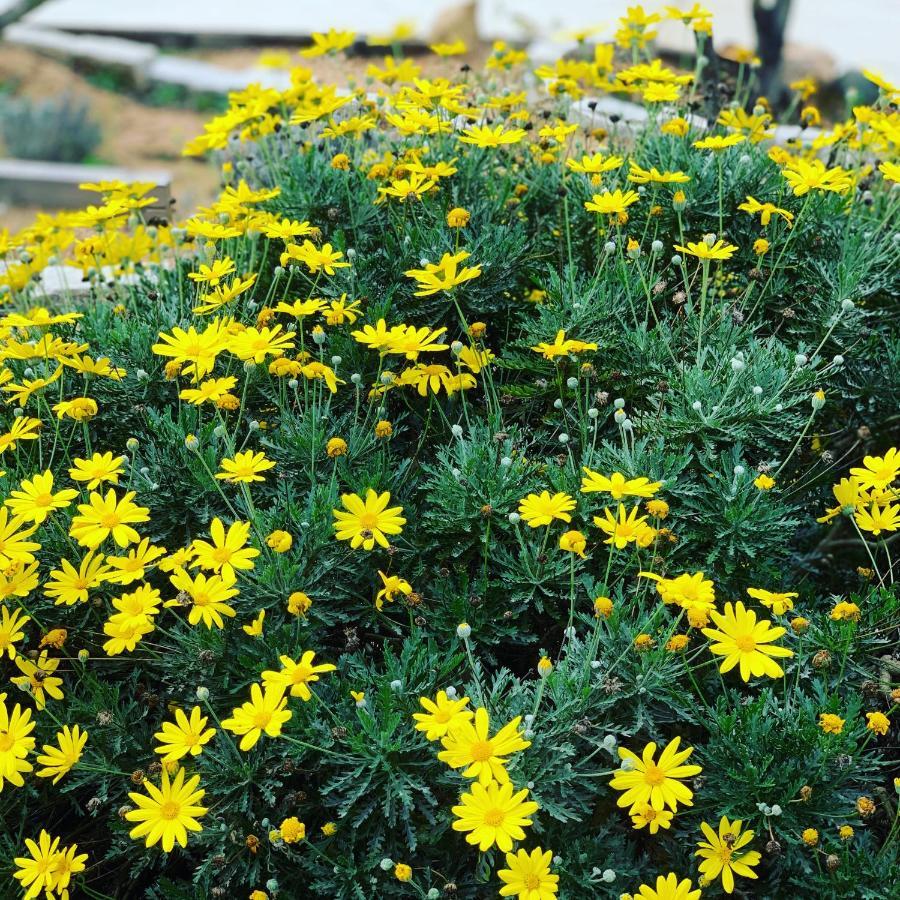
[{"x": 136, "y": 135}]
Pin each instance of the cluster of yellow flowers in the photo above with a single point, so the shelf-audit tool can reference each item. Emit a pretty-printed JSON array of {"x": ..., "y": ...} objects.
[
  {"x": 166, "y": 814},
  {"x": 241, "y": 317},
  {"x": 868, "y": 497},
  {"x": 493, "y": 814}
]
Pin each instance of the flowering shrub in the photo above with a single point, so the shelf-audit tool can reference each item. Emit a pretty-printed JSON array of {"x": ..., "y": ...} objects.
[{"x": 480, "y": 498}]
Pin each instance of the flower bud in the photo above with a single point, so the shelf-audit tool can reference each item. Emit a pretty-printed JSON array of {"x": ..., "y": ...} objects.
[{"x": 463, "y": 630}]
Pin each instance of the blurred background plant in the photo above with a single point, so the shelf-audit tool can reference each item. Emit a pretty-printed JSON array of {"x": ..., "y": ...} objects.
[{"x": 59, "y": 129}]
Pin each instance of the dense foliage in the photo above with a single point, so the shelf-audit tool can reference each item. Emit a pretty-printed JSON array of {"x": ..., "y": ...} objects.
[{"x": 490, "y": 405}]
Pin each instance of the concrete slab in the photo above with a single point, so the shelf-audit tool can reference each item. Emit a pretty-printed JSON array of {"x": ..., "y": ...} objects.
[
  {"x": 198, "y": 76},
  {"x": 620, "y": 117},
  {"x": 10, "y": 10},
  {"x": 142, "y": 61},
  {"x": 132, "y": 57},
  {"x": 68, "y": 281},
  {"x": 55, "y": 185},
  {"x": 258, "y": 19}
]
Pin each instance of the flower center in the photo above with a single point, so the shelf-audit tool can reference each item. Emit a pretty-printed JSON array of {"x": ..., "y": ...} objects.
[
  {"x": 654, "y": 774},
  {"x": 368, "y": 521},
  {"x": 494, "y": 817},
  {"x": 6, "y": 741},
  {"x": 43, "y": 499},
  {"x": 745, "y": 643},
  {"x": 481, "y": 750},
  {"x": 62, "y": 867},
  {"x": 262, "y": 719},
  {"x": 169, "y": 810},
  {"x": 531, "y": 881},
  {"x": 110, "y": 520}
]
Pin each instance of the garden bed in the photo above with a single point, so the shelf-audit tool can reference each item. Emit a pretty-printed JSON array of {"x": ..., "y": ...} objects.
[{"x": 471, "y": 500}]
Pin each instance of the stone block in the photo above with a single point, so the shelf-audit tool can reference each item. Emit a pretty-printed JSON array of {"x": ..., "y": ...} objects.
[
  {"x": 49, "y": 185},
  {"x": 131, "y": 57}
]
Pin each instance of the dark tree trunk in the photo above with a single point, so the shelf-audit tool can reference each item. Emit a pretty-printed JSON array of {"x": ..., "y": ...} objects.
[{"x": 770, "y": 17}]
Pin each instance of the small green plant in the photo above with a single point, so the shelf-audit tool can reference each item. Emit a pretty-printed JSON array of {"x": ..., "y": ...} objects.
[{"x": 59, "y": 130}]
